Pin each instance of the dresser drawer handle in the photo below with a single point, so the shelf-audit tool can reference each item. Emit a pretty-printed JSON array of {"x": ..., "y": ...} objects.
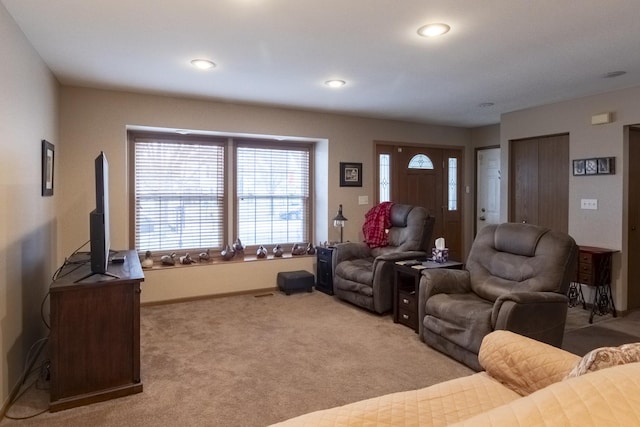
[
  {"x": 405, "y": 316},
  {"x": 405, "y": 301}
]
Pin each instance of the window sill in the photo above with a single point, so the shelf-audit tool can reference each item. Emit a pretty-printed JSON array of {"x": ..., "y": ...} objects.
[{"x": 157, "y": 265}]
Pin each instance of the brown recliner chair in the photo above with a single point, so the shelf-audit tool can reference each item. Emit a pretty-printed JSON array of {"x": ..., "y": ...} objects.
[
  {"x": 516, "y": 278},
  {"x": 364, "y": 276}
]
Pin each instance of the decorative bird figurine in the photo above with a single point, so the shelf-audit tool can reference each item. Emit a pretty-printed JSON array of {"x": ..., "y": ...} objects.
[
  {"x": 277, "y": 251},
  {"x": 186, "y": 259},
  {"x": 310, "y": 249},
  {"x": 147, "y": 262},
  {"x": 237, "y": 246},
  {"x": 227, "y": 253},
  {"x": 169, "y": 259},
  {"x": 205, "y": 256},
  {"x": 298, "y": 250},
  {"x": 261, "y": 252}
]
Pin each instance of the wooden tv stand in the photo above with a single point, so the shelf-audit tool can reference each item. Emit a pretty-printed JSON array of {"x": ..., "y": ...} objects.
[{"x": 95, "y": 333}]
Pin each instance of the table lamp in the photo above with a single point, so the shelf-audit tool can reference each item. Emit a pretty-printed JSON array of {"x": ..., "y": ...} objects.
[{"x": 338, "y": 221}]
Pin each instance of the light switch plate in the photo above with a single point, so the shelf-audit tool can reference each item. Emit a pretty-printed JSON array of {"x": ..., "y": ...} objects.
[
  {"x": 589, "y": 204},
  {"x": 363, "y": 200}
]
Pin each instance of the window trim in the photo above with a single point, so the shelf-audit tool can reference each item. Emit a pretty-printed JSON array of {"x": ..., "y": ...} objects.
[
  {"x": 271, "y": 143},
  {"x": 230, "y": 143},
  {"x": 134, "y": 136}
]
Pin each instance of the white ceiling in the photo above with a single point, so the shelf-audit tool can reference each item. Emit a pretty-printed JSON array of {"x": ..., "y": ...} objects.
[{"x": 514, "y": 53}]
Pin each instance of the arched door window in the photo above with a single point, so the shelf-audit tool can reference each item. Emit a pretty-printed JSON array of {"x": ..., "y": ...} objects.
[{"x": 420, "y": 161}]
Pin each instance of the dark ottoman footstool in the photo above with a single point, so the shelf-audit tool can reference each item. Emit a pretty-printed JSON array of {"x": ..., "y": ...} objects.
[{"x": 299, "y": 280}]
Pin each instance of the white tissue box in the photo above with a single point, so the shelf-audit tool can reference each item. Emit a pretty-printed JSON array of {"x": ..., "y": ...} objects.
[{"x": 440, "y": 255}]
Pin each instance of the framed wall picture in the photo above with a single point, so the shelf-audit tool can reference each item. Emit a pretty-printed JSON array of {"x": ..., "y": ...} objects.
[
  {"x": 606, "y": 165},
  {"x": 595, "y": 166},
  {"x": 578, "y": 167},
  {"x": 591, "y": 166},
  {"x": 48, "y": 152},
  {"x": 350, "y": 174}
]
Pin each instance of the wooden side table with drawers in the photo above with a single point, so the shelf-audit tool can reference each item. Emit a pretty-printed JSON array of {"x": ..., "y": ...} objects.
[
  {"x": 594, "y": 269},
  {"x": 406, "y": 287}
]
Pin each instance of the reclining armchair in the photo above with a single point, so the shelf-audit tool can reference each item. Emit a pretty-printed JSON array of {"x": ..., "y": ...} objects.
[
  {"x": 516, "y": 278},
  {"x": 364, "y": 276}
]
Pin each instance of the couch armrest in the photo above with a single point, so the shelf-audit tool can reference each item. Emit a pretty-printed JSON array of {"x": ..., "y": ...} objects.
[
  {"x": 351, "y": 250},
  {"x": 436, "y": 281},
  {"x": 523, "y": 364},
  {"x": 400, "y": 256},
  {"x": 444, "y": 281},
  {"x": 538, "y": 315}
]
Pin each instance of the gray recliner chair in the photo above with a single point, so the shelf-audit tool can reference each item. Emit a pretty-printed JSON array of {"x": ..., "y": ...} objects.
[
  {"x": 364, "y": 276},
  {"x": 516, "y": 278}
]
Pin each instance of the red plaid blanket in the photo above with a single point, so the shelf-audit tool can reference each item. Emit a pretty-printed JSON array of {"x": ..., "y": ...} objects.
[{"x": 376, "y": 223}]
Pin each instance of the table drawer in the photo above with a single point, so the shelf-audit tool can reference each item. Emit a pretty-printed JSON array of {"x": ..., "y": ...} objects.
[
  {"x": 585, "y": 268},
  {"x": 586, "y": 278},
  {"x": 407, "y": 318},
  {"x": 585, "y": 257},
  {"x": 407, "y": 301}
]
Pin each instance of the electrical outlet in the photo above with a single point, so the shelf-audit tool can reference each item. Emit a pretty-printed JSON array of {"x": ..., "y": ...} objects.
[
  {"x": 589, "y": 204},
  {"x": 363, "y": 200}
]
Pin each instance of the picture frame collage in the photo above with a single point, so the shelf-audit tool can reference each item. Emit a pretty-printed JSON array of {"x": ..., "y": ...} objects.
[{"x": 594, "y": 166}]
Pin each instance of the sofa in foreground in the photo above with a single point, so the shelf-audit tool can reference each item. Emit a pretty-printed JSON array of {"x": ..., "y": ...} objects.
[{"x": 524, "y": 383}]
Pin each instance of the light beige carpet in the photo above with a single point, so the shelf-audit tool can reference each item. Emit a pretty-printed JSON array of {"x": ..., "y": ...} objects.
[{"x": 252, "y": 361}]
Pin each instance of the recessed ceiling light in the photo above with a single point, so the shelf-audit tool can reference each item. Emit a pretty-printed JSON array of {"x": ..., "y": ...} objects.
[
  {"x": 203, "y": 64},
  {"x": 433, "y": 30},
  {"x": 486, "y": 104},
  {"x": 335, "y": 83},
  {"x": 613, "y": 74}
]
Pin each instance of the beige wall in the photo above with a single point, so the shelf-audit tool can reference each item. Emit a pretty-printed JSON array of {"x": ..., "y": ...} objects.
[
  {"x": 485, "y": 136},
  {"x": 605, "y": 227},
  {"x": 28, "y": 114},
  {"x": 94, "y": 120}
]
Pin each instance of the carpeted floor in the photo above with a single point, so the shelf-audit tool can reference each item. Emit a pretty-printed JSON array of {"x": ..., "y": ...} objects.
[{"x": 252, "y": 361}]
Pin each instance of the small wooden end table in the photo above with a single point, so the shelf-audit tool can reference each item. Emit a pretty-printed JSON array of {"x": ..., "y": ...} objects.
[{"x": 407, "y": 285}]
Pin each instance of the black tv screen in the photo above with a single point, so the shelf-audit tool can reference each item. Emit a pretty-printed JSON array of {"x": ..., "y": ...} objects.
[{"x": 99, "y": 218}]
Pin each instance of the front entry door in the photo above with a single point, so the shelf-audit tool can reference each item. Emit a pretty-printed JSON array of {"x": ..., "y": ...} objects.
[{"x": 428, "y": 177}]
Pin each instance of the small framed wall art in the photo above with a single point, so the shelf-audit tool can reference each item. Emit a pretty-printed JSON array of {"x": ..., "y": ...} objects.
[
  {"x": 578, "y": 167},
  {"x": 48, "y": 152},
  {"x": 606, "y": 165},
  {"x": 594, "y": 166},
  {"x": 350, "y": 174}
]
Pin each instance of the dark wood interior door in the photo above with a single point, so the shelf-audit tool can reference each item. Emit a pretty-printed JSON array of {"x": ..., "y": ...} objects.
[
  {"x": 431, "y": 187},
  {"x": 422, "y": 187},
  {"x": 633, "y": 273},
  {"x": 539, "y": 181}
]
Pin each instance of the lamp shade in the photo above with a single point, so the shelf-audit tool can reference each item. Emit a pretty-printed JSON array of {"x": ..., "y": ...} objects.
[{"x": 338, "y": 220}]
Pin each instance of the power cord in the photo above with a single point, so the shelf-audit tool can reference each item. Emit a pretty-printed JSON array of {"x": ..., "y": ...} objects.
[
  {"x": 56, "y": 274},
  {"x": 43, "y": 368}
]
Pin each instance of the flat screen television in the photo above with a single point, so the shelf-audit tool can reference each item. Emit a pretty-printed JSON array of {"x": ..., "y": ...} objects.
[{"x": 99, "y": 220}]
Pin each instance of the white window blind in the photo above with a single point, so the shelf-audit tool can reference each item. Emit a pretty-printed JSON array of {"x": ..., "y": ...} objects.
[
  {"x": 272, "y": 193},
  {"x": 179, "y": 194}
]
